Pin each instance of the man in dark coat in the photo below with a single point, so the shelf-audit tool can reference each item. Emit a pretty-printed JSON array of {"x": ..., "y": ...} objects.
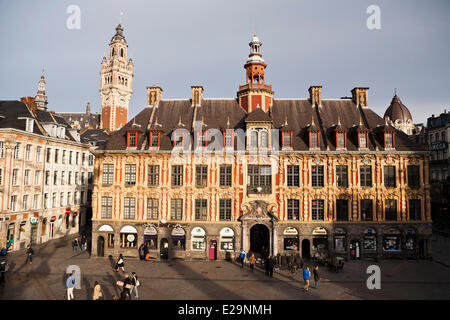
[
  {"x": 272, "y": 263},
  {"x": 141, "y": 252},
  {"x": 126, "y": 291}
]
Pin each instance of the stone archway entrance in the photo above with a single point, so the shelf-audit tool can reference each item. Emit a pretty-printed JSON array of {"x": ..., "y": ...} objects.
[
  {"x": 259, "y": 238},
  {"x": 306, "y": 248}
]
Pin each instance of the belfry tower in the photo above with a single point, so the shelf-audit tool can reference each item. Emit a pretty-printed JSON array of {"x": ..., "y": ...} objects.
[
  {"x": 116, "y": 77},
  {"x": 255, "y": 92}
]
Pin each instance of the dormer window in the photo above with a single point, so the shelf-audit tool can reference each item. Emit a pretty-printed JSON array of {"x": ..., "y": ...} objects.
[
  {"x": 341, "y": 140},
  {"x": 202, "y": 139},
  {"x": 178, "y": 139},
  {"x": 154, "y": 139},
  {"x": 29, "y": 125},
  {"x": 389, "y": 140},
  {"x": 287, "y": 139},
  {"x": 254, "y": 139},
  {"x": 314, "y": 140},
  {"x": 264, "y": 139},
  {"x": 362, "y": 140},
  {"x": 228, "y": 139},
  {"x": 131, "y": 139}
]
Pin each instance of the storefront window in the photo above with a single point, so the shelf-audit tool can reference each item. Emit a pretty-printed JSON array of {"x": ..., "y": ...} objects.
[
  {"x": 128, "y": 237},
  {"x": 198, "y": 241},
  {"x": 320, "y": 239},
  {"x": 370, "y": 243},
  {"x": 178, "y": 239},
  {"x": 392, "y": 243},
  {"x": 409, "y": 244},
  {"x": 151, "y": 237},
  {"x": 339, "y": 243},
  {"x": 291, "y": 240},
  {"x": 227, "y": 239},
  {"x": 110, "y": 240}
]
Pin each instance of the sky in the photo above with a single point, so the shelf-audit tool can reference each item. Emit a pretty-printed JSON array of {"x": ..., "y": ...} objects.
[{"x": 177, "y": 43}]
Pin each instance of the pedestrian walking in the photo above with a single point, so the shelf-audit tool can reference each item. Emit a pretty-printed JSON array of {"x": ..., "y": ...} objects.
[
  {"x": 271, "y": 265},
  {"x": 29, "y": 254},
  {"x": 135, "y": 284},
  {"x": 242, "y": 257},
  {"x": 316, "y": 276},
  {"x": 127, "y": 283},
  {"x": 97, "y": 295},
  {"x": 306, "y": 275},
  {"x": 120, "y": 263},
  {"x": 75, "y": 245},
  {"x": 70, "y": 284},
  {"x": 146, "y": 253},
  {"x": 252, "y": 261}
]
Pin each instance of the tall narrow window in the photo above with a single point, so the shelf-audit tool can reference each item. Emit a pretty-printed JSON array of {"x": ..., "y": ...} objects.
[
  {"x": 314, "y": 140},
  {"x": 264, "y": 138},
  {"x": 154, "y": 139},
  {"x": 413, "y": 177},
  {"x": 201, "y": 176},
  {"x": 176, "y": 209},
  {"x": 317, "y": 176},
  {"x": 390, "y": 209},
  {"x": 293, "y": 176},
  {"x": 362, "y": 139},
  {"x": 26, "y": 177},
  {"x": 342, "y": 176},
  {"x": 28, "y": 152},
  {"x": 201, "y": 209},
  {"x": 152, "y": 209},
  {"x": 15, "y": 177},
  {"x": 389, "y": 140},
  {"x": 260, "y": 179},
  {"x": 2, "y": 149},
  {"x": 365, "y": 176},
  {"x": 38, "y": 154},
  {"x": 225, "y": 209},
  {"x": 177, "y": 175},
  {"x": 108, "y": 174},
  {"x": 287, "y": 139},
  {"x": 129, "y": 208},
  {"x": 366, "y": 210},
  {"x": 317, "y": 210},
  {"x": 225, "y": 175},
  {"x": 340, "y": 140},
  {"x": 17, "y": 151},
  {"x": 130, "y": 174},
  {"x": 341, "y": 210},
  {"x": 153, "y": 175},
  {"x": 228, "y": 139},
  {"x": 389, "y": 176},
  {"x": 415, "y": 209},
  {"x": 107, "y": 203},
  {"x": 293, "y": 209},
  {"x": 254, "y": 139}
]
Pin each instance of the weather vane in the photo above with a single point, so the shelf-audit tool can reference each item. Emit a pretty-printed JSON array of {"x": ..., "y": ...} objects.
[{"x": 121, "y": 15}]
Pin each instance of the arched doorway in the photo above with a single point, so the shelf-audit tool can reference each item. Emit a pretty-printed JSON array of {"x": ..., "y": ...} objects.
[
  {"x": 306, "y": 248},
  {"x": 259, "y": 239},
  {"x": 100, "y": 246},
  {"x": 164, "y": 248}
]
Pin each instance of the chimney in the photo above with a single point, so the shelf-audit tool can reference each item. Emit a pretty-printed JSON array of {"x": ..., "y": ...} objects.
[
  {"x": 154, "y": 96},
  {"x": 197, "y": 95},
  {"x": 88, "y": 108},
  {"x": 29, "y": 101},
  {"x": 315, "y": 95},
  {"x": 360, "y": 96}
]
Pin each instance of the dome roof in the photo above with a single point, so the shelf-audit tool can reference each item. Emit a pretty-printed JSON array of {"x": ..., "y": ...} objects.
[{"x": 397, "y": 111}]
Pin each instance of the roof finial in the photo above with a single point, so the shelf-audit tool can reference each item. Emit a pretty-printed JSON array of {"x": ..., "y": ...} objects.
[
  {"x": 43, "y": 70},
  {"x": 120, "y": 18},
  {"x": 228, "y": 120},
  {"x": 285, "y": 121},
  {"x": 360, "y": 120},
  {"x": 339, "y": 120},
  {"x": 312, "y": 121},
  {"x": 255, "y": 30},
  {"x": 179, "y": 121}
]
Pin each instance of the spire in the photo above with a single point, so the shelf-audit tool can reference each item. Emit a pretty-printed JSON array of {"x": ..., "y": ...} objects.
[
  {"x": 88, "y": 108},
  {"x": 41, "y": 99}
]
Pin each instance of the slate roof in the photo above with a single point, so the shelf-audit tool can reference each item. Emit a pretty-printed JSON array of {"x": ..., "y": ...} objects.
[
  {"x": 397, "y": 110},
  {"x": 226, "y": 113},
  {"x": 11, "y": 113},
  {"x": 91, "y": 120}
]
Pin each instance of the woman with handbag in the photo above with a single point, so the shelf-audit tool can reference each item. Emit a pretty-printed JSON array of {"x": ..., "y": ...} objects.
[
  {"x": 120, "y": 264},
  {"x": 134, "y": 284}
]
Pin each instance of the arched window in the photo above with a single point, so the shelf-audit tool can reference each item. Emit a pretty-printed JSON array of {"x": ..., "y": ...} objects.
[
  {"x": 121, "y": 52},
  {"x": 112, "y": 52}
]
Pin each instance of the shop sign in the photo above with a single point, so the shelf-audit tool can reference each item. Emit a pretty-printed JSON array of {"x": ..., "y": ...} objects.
[
  {"x": 393, "y": 231},
  {"x": 150, "y": 231},
  {"x": 198, "y": 232},
  {"x": 67, "y": 210},
  {"x": 53, "y": 219},
  {"x": 340, "y": 231},
  {"x": 290, "y": 231},
  {"x": 226, "y": 232},
  {"x": 33, "y": 220},
  {"x": 130, "y": 237},
  {"x": 178, "y": 232},
  {"x": 319, "y": 231}
]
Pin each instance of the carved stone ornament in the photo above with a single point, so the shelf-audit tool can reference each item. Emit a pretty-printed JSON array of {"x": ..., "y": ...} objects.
[{"x": 258, "y": 209}]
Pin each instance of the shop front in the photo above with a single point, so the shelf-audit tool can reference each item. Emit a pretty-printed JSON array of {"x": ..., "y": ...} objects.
[
  {"x": 291, "y": 240},
  {"x": 320, "y": 240},
  {"x": 33, "y": 230},
  {"x": 392, "y": 242},
  {"x": 10, "y": 236},
  {"x": 411, "y": 244},
  {"x": 198, "y": 242},
  {"x": 370, "y": 243},
  {"x": 105, "y": 241},
  {"x": 226, "y": 243},
  {"x": 340, "y": 242},
  {"x": 178, "y": 241},
  {"x": 151, "y": 238},
  {"x": 128, "y": 238}
]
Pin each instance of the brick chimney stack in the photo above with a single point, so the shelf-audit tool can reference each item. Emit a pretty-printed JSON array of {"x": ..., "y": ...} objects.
[
  {"x": 154, "y": 95},
  {"x": 197, "y": 95},
  {"x": 315, "y": 95}
]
